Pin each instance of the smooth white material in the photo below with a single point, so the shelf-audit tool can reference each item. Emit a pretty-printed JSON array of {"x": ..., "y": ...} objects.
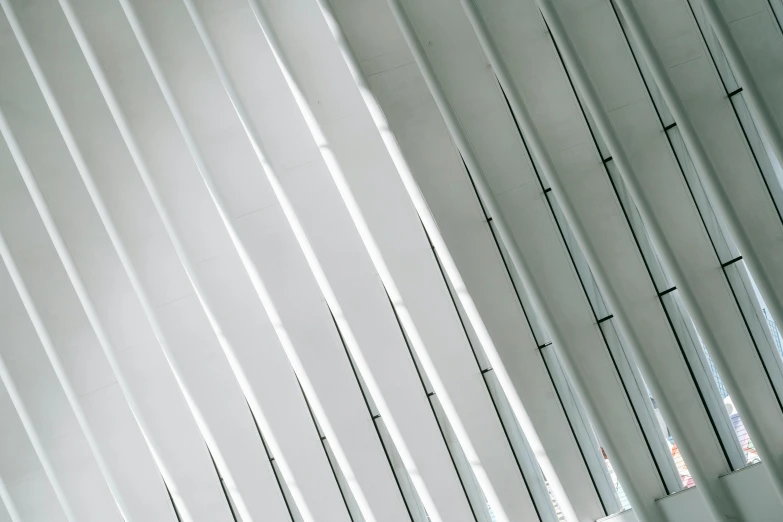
[
  {"x": 268, "y": 494},
  {"x": 376, "y": 20},
  {"x": 338, "y": 409},
  {"x": 392, "y": 234},
  {"x": 692, "y": 437},
  {"x": 758, "y": 412},
  {"x": 34, "y": 438},
  {"x": 162, "y": 136},
  {"x": 63, "y": 250},
  {"x": 548, "y": 167},
  {"x": 349, "y": 285},
  {"x": 753, "y": 95},
  {"x": 26, "y": 494}
]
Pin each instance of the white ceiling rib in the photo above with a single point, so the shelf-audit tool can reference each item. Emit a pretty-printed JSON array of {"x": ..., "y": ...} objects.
[{"x": 380, "y": 260}]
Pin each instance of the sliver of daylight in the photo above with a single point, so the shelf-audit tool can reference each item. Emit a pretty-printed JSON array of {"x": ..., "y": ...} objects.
[{"x": 430, "y": 225}]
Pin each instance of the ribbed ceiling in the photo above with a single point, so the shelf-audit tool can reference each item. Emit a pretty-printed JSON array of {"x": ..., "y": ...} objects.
[{"x": 384, "y": 261}]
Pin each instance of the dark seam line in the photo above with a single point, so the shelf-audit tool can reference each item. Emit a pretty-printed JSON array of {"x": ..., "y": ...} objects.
[
  {"x": 326, "y": 453},
  {"x": 530, "y": 325},
  {"x": 369, "y": 410},
  {"x": 756, "y": 346},
  {"x": 709, "y": 49},
  {"x": 660, "y": 118},
  {"x": 570, "y": 254},
  {"x": 693, "y": 196},
  {"x": 736, "y": 114},
  {"x": 701, "y": 218},
  {"x": 638, "y": 67},
  {"x": 603, "y": 336},
  {"x": 538, "y": 175},
  {"x": 176, "y": 511},
  {"x": 601, "y": 320},
  {"x": 584, "y": 289},
  {"x": 502, "y": 257},
  {"x": 478, "y": 196},
  {"x": 635, "y": 413},
  {"x": 735, "y": 92},
  {"x": 453, "y": 462},
  {"x": 271, "y": 460},
  {"x": 731, "y": 262},
  {"x": 688, "y": 365},
  {"x": 513, "y": 452},
  {"x": 222, "y": 486},
  {"x": 527, "y": 317},
  {"x": 405, "y": 338},
  {"x": 775, "y": 16},
  {"x": 633, "y": 231},
  {"x": 486, "y": 370},
  {"x": 486, "y": 385},
  {"x": 432, "y": 408},
  {"x": 670, "y": 126},
  {"x": 454, "y": 301},
  {"x": 573, "y": 432},
  {"x": 756, "y": 160},
  {"x": 607, "y": 160},
  {"x": 671, "y": 326},
  {"x": 725, "y": 275},
  {"x": 519, "y": 132}
]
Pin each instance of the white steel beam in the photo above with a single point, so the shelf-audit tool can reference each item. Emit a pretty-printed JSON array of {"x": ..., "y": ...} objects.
[
  {"x": 759, "y": 68},
  {"x": 753, "y": 224},
  {"x": 326, "y": 235},
  {"x": 663, "y": 363},
  {"x": 25, "y": 489},
  {"x": 721, "y": 248},
  {"x": 371, "y": 189},
  {"x": 157, "y": 395},
  {"x": 643, "y": 467},
  {"x": 653, "y": 343},
  {"x": 291, "y": 317},
  {"x": 110, "y": 175},
  {"x": 184, "y": 203},
  {"x": 393, "y": 89}
]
